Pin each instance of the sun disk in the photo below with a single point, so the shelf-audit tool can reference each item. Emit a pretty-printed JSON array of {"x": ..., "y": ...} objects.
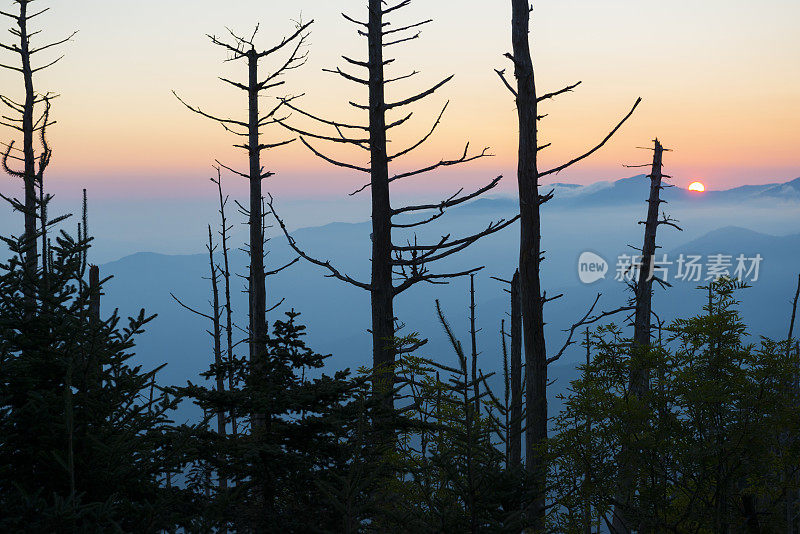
[{"x": 697, "y": 186}]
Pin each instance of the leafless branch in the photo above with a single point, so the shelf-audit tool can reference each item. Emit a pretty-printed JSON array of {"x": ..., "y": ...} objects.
[
  {"x": 425, "y": 138},
  {"x": 335, "y": 273},
  {"x": 452, "y": 201},
  {"x": 280, "y": 269},
  {"x": 333, "y": 161},
  {"x": 443, "y": 163},
  {"x": 502, "y": 75},
  {"x": 51, "y": 45},
  {"x": 586, "y": 320},
  {"x": 224, "y": 122},
  {"x": 566, "y": 89},
  {"x": 419, "y": 96},
  {"x": 596, "y": 148},
  {"x": 196, "y": 312},
  {"x": 433, "y": 278}
]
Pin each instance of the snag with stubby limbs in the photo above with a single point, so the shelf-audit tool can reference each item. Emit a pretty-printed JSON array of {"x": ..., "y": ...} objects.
[
  {"x": 24, "y": 119},
  {"x": 530, "y": 248},
  {"x": 394, "y": 267},
  {"x": 244, "y": 48}
]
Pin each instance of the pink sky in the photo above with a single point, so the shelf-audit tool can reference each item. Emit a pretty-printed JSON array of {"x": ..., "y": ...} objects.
[{"x": 719, "y": 81}]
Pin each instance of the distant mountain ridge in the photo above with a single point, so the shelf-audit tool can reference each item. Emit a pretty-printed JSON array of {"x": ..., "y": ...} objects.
[{"x": 636, "y": 189}]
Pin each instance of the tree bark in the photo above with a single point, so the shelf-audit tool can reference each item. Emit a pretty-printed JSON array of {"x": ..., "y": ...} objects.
[
  {"x": 382, "y": 291},
  {"x": 792, "y": 494},
  {"x": 640, "y": 374},
  {"x": 516, "y": 373},
  {"x": 217, "y": 335},
  {"x": 257, "y": 279},
  {"x": 473, "y": 332},
  {"x": 529, "y": 265},
  {"x": 226, "y": 276},
  {"x": 640, "y": 378},
  {"x": 29, "y": 156}
]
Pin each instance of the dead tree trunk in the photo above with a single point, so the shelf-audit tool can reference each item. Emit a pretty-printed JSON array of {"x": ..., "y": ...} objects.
[
  {"x": 250, "y": 129},
  {"x": 640, "y": 378},
  {"x": 516, "y": 372},
  {"x": 473, "y": 332},
  {"x": 257, "y": 292},
  {"x": 216, "y": 334},
  {"x": 23, "y": 119},
  {"x": 529, "y": 264},
  {"x": 226, "y": 277},
  {"x": 793, "y": 318},
  {"x": 381, "y": 295},
  {"x": 531, "y": 254},
  {"x": 642, "y": 327},
  {"x": 27, "y": 142},
  {"x": 391, "y": 262}
]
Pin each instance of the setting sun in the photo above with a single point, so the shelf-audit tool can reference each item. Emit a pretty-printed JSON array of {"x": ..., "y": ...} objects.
[{"x": 697, "y": 186}]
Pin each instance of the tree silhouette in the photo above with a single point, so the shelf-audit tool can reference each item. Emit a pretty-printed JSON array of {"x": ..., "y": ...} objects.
[
  {"x": 395, "y": 267},
  {"x": 643, "y": 295},
  {"x": 531, "y": 253},
  {"x": 244, "y": 48},
  {"x": 26, "y": 119}
]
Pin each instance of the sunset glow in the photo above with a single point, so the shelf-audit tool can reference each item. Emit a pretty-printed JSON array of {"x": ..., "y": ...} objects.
[
  {"x": 697, "y": 186},
  {"x": 126, "y": 135}
]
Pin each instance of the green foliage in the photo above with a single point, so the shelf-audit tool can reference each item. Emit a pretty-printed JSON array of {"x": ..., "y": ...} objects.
[
  {"x": 451, "y": 474},
  {"x": 82, "y": 431},
  {"x": 308, "y": 462},
  {"x": 87, "y": 444},
  {"x": 713, "y": 445}
]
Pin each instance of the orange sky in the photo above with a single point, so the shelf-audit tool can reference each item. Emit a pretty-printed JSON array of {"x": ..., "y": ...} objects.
[{"x": 719, "y": 81}]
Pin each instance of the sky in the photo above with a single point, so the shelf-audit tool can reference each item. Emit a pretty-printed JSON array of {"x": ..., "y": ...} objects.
[{"x": 719, "y": 82}]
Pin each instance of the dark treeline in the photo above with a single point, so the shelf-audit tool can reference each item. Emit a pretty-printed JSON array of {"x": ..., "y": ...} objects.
[{"x": 690, "y": 425}]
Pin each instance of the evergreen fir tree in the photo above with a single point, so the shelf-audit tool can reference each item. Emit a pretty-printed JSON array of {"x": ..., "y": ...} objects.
[
  {"x": 309, "y": 468},
  {"x": 83, "y": 430}
]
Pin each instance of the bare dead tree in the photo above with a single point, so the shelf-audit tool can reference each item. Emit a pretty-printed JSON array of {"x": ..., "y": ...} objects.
[
  {"x": 216, "y": 334},
  {"x": 24, "y": 118},
  {"x": 505, "y": 411},
  {"x": 531, "y": 254},
  {"x": 515, "y": 385},
  {"x": 640, "y": 379},
  {"x": 215, "y": 317},
  {"x": 512, "y": 408},
  {"x": 643, "y": 297},
  {"x": 244, "y": 49},
  {"x": 225, "y": 271},
  {"x": 395, "y": 268},
  {"x": 473, "y": 333}
]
